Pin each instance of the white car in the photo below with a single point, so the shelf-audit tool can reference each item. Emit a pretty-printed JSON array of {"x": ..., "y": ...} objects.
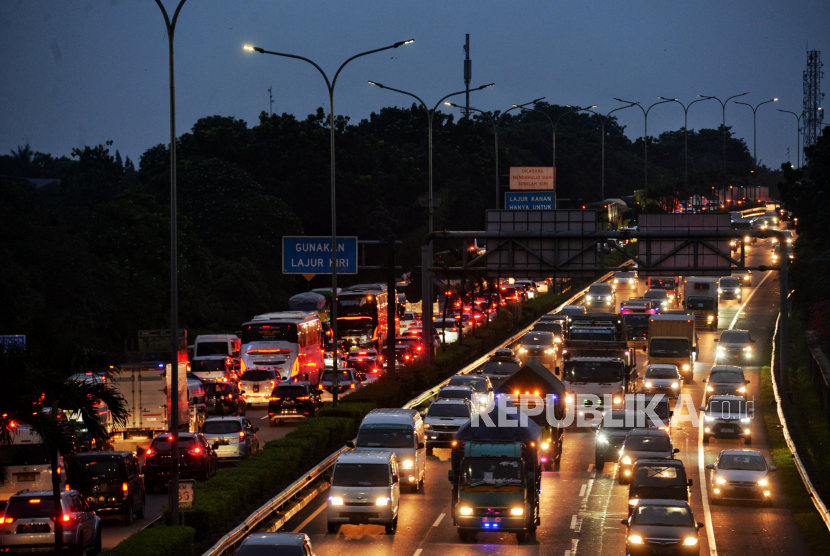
[
  {"x": 481, "y": 385},
  {"x": 661, "y": 378},
  {"x": 741, "y": 475},
  {"x": 443, "y": 419},
  {"x": 624, "y": 279},
  {"x": 727, "y": 417}
]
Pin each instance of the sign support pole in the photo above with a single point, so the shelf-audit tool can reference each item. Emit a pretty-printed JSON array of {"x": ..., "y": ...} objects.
[
  {"x": 426, "y": 302},
  {"x": 391, "y": 305}
]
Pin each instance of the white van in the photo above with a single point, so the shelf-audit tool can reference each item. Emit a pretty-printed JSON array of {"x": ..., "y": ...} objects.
[
  {"x": 399, "y": 430},
  {"x": 365, "y": 488},
  {"x": 217, "y": 344},
  {"x": 29, "y": 466}
]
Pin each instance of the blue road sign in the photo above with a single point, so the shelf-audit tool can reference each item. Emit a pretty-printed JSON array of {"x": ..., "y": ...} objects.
[
  {"x": 528, "y": 200},
  {"x": 312, "y": 255}
]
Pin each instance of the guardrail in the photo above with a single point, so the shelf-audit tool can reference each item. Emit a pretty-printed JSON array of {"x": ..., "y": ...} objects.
[
  {"x": 288, "y": 496},
  {"x": 817, "y": 501}
]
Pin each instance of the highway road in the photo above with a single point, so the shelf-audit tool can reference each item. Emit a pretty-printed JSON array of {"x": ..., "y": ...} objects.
[{"x": 582, "y": 506}]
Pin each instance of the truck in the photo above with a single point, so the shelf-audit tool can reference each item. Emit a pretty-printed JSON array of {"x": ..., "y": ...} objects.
[
  {"x": 672, "y": 340},
  {"x": 700, "y": 296},
  {"x": 496, "y": 475}
]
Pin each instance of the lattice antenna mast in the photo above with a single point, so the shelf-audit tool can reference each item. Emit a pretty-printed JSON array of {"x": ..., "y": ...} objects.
[
  {"x": 271, "y": 100},
  {"x": 813, "y": 114},
  {"x": 468, "y": 75}
]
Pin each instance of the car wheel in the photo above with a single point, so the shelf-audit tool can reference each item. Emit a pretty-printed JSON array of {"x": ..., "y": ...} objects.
[
  {"x": 392, "y": 526},
  {"x": 79, "y": 549},
  {"x": 463, "y": 535},
  {"x": 332, "y": 527},
  {"x": 128, "y": 517},
  {"x": 143, "y": 511}
]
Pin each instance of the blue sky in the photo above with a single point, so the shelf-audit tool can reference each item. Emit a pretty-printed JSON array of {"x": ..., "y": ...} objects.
[{"x": 80, "y": 72}]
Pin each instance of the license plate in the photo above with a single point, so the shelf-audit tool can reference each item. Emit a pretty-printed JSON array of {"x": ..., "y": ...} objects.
[
  {"x": 289, "y": 404},
  {"x": 662, "y": 550},
  {"x": 27, "y": 478},
  {"x": 727, "y": 430},
  {"x": 223, "y": 441},
  {"x": 34, "y": 528},
  {"x": 256, "y": 387},
  {"x": 491, "y": 520}
]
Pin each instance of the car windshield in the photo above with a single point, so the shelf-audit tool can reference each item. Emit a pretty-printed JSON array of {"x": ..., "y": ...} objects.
[
  {"x": 725, "y": 376},
  {"x": 697, "y": 302},
  {"x": 656, "y": 475},
  {"x": 592, "y": 371},
  {"x": 620, "y": 420},
  {"x": 552, "y": 327},
  {"x": 662, "y": 516},
  {"x": 662, "y": 283},
  {"x": 474, "y": 382},
  {"x": 448, "y": 410},
  {"x": 23, "y": 508},
  {"x": 599, "y": 334},
  {"x": 637, "y": 443},
  {"x": 270, "y": 550},
  {"x": 486, "y": 471},
  {"x": 258, "y": 376},
  {"x": 361, "y": 475},
  {"x": 208, "y": 366},
  {"x": 537, "y": 339},
  {"x": 97, "y": 468},
  {"x": 455, "y": 394},
  {"x": 385, "y": 438},
  {"x": 602, "y": 289},
  {"x": 623, "y": 275},
  {"x": 656, "y": 294},
  {"x": 221, "y": 427},
  {"x": 730, "y": 282},
  {"x": 661, "y": 372},
  {"x": 499, "y": 368},
  {"x": 669, "y": 346},
  {"x": 342, "y": 375},
  {"x": 735, "y": 337},
  {"x": 744, "y": 462},
  {"x": 730, "y": 407},
  {"x": 289, "y": 391},
  {"x": 211, "y": 348}
]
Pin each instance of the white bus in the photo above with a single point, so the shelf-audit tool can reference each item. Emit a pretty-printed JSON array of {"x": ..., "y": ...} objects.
[{"x": 289, "y": 343}]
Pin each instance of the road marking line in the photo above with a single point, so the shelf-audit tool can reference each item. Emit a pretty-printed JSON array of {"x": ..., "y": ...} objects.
[
  {"x": 578, "y": 527},
  {"x": 417, "y": 552},
  {"x": 704, "y": 491},
  {"x": 590, "y": 468},
  {"x": 308, "y": 520},
  {"x": 741, "y": 308},
  {"x": 573, "y": 522},
  {"x": 567, "y": 553},
  {"x": 582, "y": 491},
  {"x": 261, "y": 418},
  {"x": 437, "y": 521}
]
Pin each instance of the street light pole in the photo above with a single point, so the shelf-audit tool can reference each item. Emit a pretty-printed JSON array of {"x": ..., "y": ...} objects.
[
  {"x": 685, "y": 136},
  {"x": 496, "y": 124},
  {"x": 797, "y": 133},
  {"x": 555, "y": 125},
  {"x": 723, "y": 126},
  {"x": 430, "y": 115},
  {"x": 330, "y": 86},
  {"x": 645, "y": 142},
  {"x": 173, "y": 413},
  {"x": 754, "y": 137},
  {"x": 602, "y": 124}
]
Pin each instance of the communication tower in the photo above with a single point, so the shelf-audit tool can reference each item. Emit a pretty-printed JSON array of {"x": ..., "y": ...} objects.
[{"x": 813, "y": 114}]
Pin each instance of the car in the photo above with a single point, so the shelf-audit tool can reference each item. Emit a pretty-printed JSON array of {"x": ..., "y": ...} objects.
[
  {"x": 662, "y": 527},
  {"x": 601, "y": 296},
  {"x": 661, "y": 378},
  {"x": 457, "y": 392},
  {"x": 443, "y": 419},
  {"x": 481, "y": 385},
  {"x": 292, "y": 400},
  {"x": 529, "y": 287},
  {"x": 408, "y": 319},
  {"x": 553, "y": 323},
  {"x": 745, "y": 276},
  {"x": 224, "y": 398},
  {"x": 257, "y": 385},
  {"x": 776, "y": 253},
  {"x": 447, "y": 329},
  {"x": 663, "y": 479},
  {"x": 348, "y": 380},
  {"x": 364, "y": 361},
  {"x": 788, "y": 237},
  {"x": 112, "y": 480},
  {"x": 741, "y": 475},
  {"x": 727, "y": 417},
  {"x": 625, "y": 279},
  {"x": 725, "y": 380},
  {"x": 540, "y": 345},
  {"x": 568, "y": 310},
  {"x": 275, "y": 544},
  {"x": 235, "y": 437},
  {"x": 328, "y": 358},
  {"x": 611, "y": 433},
  {"x": 643, "y": 444},
  {"x": 660, "y": 412},
  {"x": 729, "y": 287},
  {"x": 403, "y": 356},
  {"x": 734, "y": 345},
  {"x": 28, "y": 523},
  {"x": 197, "y": 459},
  {"x": 660, "y": 297},
  {"x": 415, "y": 345}
]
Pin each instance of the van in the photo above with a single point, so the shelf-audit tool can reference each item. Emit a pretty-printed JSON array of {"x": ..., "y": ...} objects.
[
  {"x": 28, "y": 464},
  {"x": 401, "y": 431},
  {"x": 226, "y": 345},
  {"x": 365, "y": 488}
]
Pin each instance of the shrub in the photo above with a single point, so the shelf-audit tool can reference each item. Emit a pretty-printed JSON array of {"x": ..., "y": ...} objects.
[{"x": 156, "y": 541}]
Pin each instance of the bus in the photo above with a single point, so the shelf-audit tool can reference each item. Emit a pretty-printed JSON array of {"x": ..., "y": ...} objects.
[
  {"x": 289, "y": 343},
  {"x": 362, "y": 316}
]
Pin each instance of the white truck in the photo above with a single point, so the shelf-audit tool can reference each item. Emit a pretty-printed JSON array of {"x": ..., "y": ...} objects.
[
  {"x": 700, "y": 296},
  {"x": 148, "y": 394}
]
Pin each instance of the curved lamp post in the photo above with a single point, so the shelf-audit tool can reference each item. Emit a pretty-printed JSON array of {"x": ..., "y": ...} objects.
[
  {"x": 645, "y": 141},
  {"x": 496, "y": 124},
  {"x": 602, "y": 123},
  {"x": 430, "y": 114},
  {"x": 754, "y": 137},
  {"x": 797, "y": 132},
  {"x": 685, "y": 136},
  {"x": 173, "y": 491},
  {"x": 330, "y": 86}
]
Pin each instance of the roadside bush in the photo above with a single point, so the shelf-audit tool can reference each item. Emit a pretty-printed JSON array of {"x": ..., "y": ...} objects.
[{"x": 156, "y": 541}]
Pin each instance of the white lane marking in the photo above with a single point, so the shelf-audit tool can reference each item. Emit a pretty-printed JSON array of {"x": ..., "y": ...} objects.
[
  {"x": 418, "y": 552},
  {"x": 573, "y": 522},
  {"x": 704, "y": 491},
  {"x": 590, "y": 468},
  {"x": 261, "y": 418},
  {"x": 567, "y": 553},
  {"x": 578, "y": 527},
  {"x": 582, "y": 491},
  {"x": 741, "y": 308},
  {"x": 308, "y": 520},
  {"x": 437, "y": 521}
]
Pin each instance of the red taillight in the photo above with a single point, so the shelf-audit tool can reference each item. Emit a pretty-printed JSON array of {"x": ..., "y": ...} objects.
[
  {"x": 149, "y": 453},
  {"x": 273, "y": 399},
  {"x": 66, "y": 518},
  {"x": 67, "y": 487},
  {"x": 273, "y": 383},
  {"x": 241, "y": 435},
  {"x": 419, "y": 348},
  {"x": 126, "y": 487},
  {"x": 8, "y": 520},
  {"x": 196, "y": 451},
  {"x": 352, "y": 386},
  {"x": 302, "y": 397}
]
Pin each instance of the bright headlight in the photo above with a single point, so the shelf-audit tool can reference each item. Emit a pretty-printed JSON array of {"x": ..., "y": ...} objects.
[
  {"x": 557, "y": 340},
  {"x": 763, "y": 482},
  {"x": 465, "y": 510},
  {"x": 686, "y": 367},
  {"x": 545, "y": 445},
  {"x": 381, "y": 501},
  {"x": 742, "y": 389},
  {"x": 633, "y": 501},
  {"x": 336, "y": 500},
  {"x": 549, "y": 351},
  {"x": 407, "y": 464},
  {"x": 710, "y": 317},
  {"x": 648, "y": 385},
  {"x": 720, "y": 481},
  {"x": 708, "y": 418},
  {"x": 710, "y": 389},
  {"x": 517, "y": 511},
  {"x": 747, "y": 349},
  {"x": 626, "y": 460},
  {"x": 675, "y": 385},
  {"x": 690, "y": 541},
  {"x": 601, "y": 438},
  {"x": 569, "y": 399},
  {"x": 746, "y": 420},
  {"x": 635, "y": 539},
  {"x": 721, "y": 348},
  {"x": 522, "y": 350},
  {"x": 617, "y": 399}
]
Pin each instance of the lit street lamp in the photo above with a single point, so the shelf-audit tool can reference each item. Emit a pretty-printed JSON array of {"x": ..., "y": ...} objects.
[
  {"x": 797, "y": 133},
  {"x": 685, "y": 136},
  {"x": 645, "y": 141},
  {"x": 430, "y": 114},
  {"x": 330, "y": 86},
  {"x": 754, "y": 139}
]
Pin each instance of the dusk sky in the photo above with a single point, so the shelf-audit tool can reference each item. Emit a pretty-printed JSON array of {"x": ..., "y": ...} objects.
[{"x": 78, "y": 72}]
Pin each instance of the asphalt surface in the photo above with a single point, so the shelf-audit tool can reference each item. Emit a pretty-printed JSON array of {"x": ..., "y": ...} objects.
[{"x": 581, "y": 507}]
